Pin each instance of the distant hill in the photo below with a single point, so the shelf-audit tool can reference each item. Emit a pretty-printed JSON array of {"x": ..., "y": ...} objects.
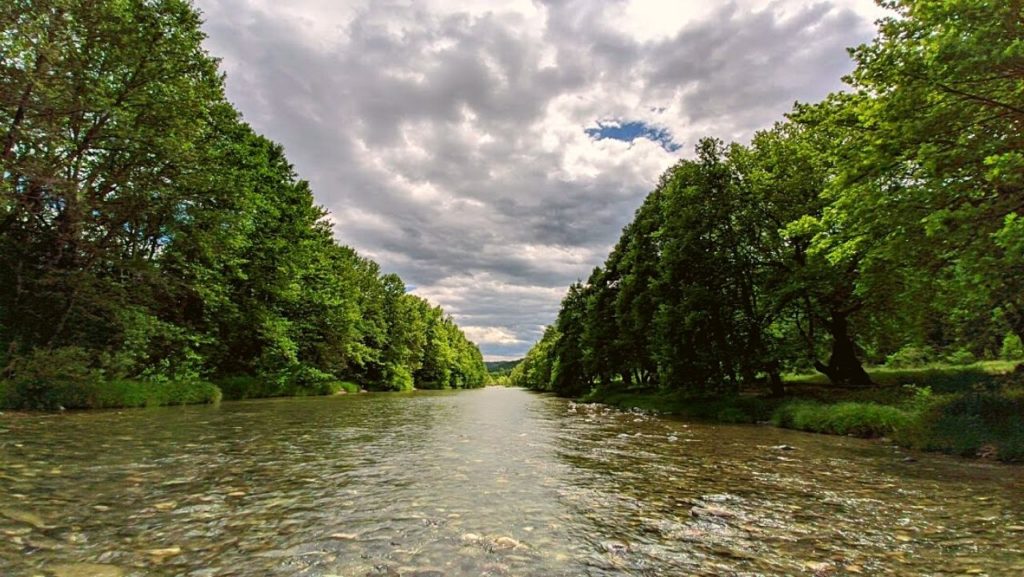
[{"x": 501, "y": 367}]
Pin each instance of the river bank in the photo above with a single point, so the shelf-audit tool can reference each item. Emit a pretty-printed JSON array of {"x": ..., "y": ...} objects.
[
  {"x": 971, "y": 411},
  {"x": 132, "y": 394}
]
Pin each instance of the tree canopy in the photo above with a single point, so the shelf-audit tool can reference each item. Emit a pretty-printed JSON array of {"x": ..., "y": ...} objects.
[
  {"x": 881, "y": 223},
  {"x": 147, "y": 233}
]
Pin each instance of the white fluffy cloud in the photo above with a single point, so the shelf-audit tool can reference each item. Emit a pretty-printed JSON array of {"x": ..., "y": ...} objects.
[{"x": 448, "y": 137}]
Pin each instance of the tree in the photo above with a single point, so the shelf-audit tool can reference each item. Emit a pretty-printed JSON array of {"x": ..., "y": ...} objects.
[
  {"x": 933, "y": 178},
  {"x": 104, "y": 108}
]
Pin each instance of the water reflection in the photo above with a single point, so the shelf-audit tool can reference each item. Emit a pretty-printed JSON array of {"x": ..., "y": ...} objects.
[{"x": 490, "y": 482}]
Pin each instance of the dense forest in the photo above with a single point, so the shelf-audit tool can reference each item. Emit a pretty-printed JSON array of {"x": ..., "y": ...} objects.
[
  {"x": 881, "y": 226},
  {"x": 154, "y": 249}
]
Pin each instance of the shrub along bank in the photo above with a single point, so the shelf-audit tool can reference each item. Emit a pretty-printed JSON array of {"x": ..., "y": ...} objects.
[{"x": 979, "y": 411}]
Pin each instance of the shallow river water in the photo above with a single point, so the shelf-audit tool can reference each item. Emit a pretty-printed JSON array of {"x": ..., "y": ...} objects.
[{"x": 477, "y": 483}]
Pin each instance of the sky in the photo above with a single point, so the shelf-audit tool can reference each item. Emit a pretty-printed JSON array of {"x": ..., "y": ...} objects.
[{"x": 490, "y": 151}]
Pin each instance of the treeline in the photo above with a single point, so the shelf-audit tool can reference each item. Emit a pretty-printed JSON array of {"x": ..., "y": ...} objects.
[
  {"x": 883, "y": 224},
  {"x": 151, "y": 242}
]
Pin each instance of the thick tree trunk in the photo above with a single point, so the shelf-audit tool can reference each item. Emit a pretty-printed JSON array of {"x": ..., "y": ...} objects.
[
  {"x": 776, "y": 387},
  {"x": 843, "y": 368}
]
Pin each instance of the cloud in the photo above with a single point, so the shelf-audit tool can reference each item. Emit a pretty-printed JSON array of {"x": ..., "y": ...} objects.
[{"x": 450, "y": 140}]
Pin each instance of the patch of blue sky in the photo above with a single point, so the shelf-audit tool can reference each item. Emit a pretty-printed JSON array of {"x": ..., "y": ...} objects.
[{"x": 630, "y": 131}]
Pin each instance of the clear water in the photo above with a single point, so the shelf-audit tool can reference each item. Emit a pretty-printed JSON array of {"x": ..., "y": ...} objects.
[{"x": 486, "y": 482}]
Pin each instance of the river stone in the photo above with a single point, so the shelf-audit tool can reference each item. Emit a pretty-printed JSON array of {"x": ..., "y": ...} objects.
[
  {"x": 506, "y": 543},
  {"x": 24, "y": 517},
  {"x": 615, "y": 547},
  {"x": 86, "y": 570},
  {"x": 712, "y": 511},
  {"x": 821, "y": 568},
  {"x": 164, "y": 552}
]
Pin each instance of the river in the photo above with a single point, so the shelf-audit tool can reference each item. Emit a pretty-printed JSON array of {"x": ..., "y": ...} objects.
[{"x": 485, "y": 482}]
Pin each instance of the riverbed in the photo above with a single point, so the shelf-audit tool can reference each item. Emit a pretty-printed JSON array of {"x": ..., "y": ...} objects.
[{"x": 480, "y": 483}]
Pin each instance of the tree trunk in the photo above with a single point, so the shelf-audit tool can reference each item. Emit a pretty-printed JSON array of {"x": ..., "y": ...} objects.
[
  {"x": 843, "y": 368},
  {"x": 776, "y": 387}
]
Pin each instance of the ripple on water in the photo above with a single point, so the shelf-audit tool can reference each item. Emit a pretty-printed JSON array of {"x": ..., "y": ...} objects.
[{"x": 492, "y": 482}]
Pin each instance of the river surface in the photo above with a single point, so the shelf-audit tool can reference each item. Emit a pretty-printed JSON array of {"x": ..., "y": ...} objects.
[{"x": 479, "y": 483}]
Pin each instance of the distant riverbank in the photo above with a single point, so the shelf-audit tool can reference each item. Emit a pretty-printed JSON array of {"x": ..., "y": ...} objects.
[
  {"x": 59, "y": 394},
  {"x": 973, "y": 411}
]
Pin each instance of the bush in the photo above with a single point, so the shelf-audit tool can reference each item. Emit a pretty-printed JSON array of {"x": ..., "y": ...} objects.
[
  {"x": 960, "y": 357},
  {"x": 348, "y": 387},
  {"x": 128, "y": 393},
  {"x": 116, "y": 394},
  {"x": 848, "y": 418},
  {"x": 51, "y": 379},
  {"x": 295, "y": 381},
  {"x": 398, "y": 378},
  {"x": 1012, "y": 349},
  {"x": 970, "y": 424},
  {"x": 910, "y": 356},
  {"x": 64, "y": 378}
]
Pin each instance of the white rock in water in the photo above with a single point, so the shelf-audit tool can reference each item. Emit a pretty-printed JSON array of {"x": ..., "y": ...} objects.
[
  {"x": 506, "y": 543},
  {"x": 164, "y": 552}
]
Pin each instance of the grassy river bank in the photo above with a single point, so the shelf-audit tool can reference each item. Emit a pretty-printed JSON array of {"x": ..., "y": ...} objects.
[{"x": 973, "y": 410}]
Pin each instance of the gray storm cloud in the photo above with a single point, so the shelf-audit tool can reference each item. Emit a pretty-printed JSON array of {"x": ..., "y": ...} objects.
[{"x": 449, "y": 143}]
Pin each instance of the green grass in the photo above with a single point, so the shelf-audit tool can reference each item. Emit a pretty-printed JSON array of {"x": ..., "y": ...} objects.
[
  {"x": 969, "y": 410},
  {"x": 941, "y": 378},
  {"x": 846, "y": 418}
]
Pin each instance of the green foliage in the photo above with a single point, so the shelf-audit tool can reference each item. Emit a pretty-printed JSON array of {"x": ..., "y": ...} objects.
[
  {"x": 535, "y": 370},
  {"x": 972, "y": 424},
  {"x": 62, "y": 378},
  {"x": 126, "y": 393},
  {"x": 882, "y": 224},
  {"x": 1012, "y": 348},
  {"x": 150, "y": 238},
  {"x": 848, "y": 418},
  {"x": 987, "y": 375},
  {"x": 348, "y": 387},
  {"x": 910, "y": 356},
  {"x": 48, "y": 380},
  {"x": 960, "y": 357},
  {"x": 500, "y": 368},
  {"x": 295, "y": 381}
]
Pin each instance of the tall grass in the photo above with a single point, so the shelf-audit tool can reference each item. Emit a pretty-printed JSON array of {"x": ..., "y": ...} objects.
[
  {"x": 847, "y": 418},
  {"x": 970, "y": 424}
]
